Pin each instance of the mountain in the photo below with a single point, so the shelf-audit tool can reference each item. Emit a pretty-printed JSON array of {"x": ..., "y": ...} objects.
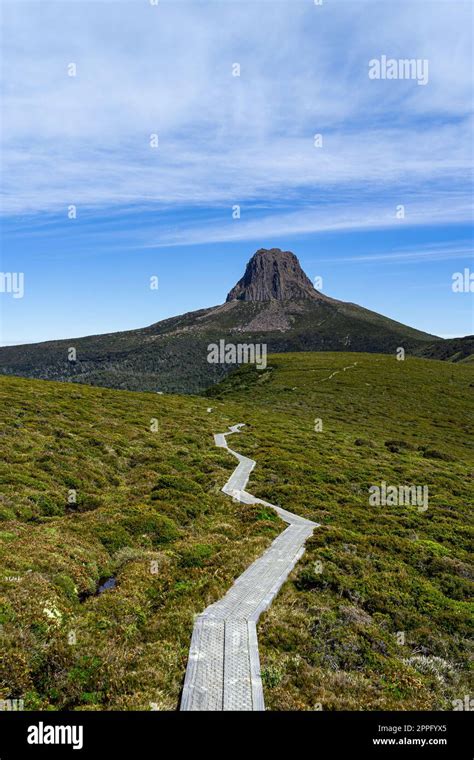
[
  {"x": 273, "y": 275},
  {"x": 274, "y": 304}
]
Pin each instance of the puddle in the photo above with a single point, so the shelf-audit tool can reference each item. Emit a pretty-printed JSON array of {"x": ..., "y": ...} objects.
[{"x": 107, "y": 584}]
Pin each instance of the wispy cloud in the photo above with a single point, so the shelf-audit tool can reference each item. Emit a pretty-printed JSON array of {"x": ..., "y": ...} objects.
[
  {"x": 330, "y": 217},
  {"x": 462, "y": 250},
  {"x": 227, "y": 140}
]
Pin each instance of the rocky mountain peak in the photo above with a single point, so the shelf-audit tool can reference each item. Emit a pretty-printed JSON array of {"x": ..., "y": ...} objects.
[{"x": 273, "y": 274}]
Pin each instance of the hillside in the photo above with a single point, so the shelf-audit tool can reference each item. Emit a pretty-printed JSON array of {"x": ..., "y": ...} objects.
[
  {"x": 273, "y": 304},
  {"x": 451, "y": 350},
  {"x": 146, "y": 497}
]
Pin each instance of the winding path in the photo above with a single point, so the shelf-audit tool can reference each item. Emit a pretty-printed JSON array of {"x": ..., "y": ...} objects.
[
  {"x": 336, "y": 372},
  {"x": 223, "y": 671}
]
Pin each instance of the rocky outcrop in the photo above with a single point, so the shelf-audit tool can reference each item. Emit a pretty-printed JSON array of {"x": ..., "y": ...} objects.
[{"x": 273, "y": 274}]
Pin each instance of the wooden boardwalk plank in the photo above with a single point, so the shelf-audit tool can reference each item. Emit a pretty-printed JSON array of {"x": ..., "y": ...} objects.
[{"x": 223, "y": 671}]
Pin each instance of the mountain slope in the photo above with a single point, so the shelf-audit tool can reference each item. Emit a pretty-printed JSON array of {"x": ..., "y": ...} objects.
[
  {"x": 450, "y": 350},
  {"x": 171, "y": 355}
]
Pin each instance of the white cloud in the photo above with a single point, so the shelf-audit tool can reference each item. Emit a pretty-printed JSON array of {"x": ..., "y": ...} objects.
[
  {"x": 225, "y": 140},
  {"x": 423, "y": 252},
  {"x": 325, "y": 218}
]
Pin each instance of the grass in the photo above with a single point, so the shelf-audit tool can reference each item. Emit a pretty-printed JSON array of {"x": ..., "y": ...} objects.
[
  {"x": 374, "y": 616},
  {"x": 148, "y": 511}
]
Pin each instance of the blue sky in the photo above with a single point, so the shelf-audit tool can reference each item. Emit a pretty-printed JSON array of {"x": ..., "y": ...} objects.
[{"x": 225, "y": 141}]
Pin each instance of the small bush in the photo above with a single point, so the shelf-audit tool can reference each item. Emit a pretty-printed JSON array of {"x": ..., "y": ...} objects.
[
  {"x": 6, "y": 514},
  {"x": 396, "y": 446},
  {"x": 161, "y": 529},
  {"x": 363, "y": 442},
  {"x": 48, "y": 506},
  {"x": 435, "y": 454},
  {"x": 177, "y": 483},
  {"x": 113, "y": 537},
  {"x": 66, "y": 584},
  {"x": 196, "y": 555}
]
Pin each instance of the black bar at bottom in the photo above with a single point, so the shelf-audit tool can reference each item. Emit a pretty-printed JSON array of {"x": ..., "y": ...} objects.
[{"x": 137, "y": 734}]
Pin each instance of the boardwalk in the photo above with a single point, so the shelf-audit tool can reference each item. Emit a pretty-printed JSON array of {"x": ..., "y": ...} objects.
[{"x": 223, "y": 671}]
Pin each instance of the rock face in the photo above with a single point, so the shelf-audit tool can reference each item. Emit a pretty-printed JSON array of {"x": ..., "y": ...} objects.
[{"x": 273, "y": 274}]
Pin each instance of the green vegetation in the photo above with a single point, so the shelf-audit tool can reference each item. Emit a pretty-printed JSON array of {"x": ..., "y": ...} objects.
[
  {"x": 374, "y": 616},
  {"x": 148, "y": 511},
  {"x": 384, "y": 621},
  {"x": 171, "y": 355}
]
